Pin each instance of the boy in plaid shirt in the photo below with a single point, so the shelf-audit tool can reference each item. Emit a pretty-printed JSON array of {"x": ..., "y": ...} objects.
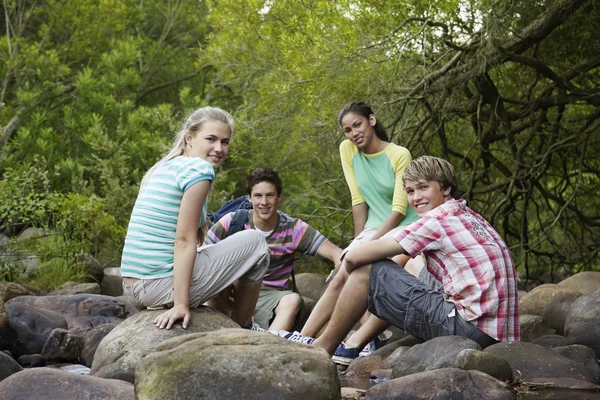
[{"x": 468, "y": 286}]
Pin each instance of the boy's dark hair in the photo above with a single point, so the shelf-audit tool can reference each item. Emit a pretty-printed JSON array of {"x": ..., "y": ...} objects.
[
  {"x": 259, "y": 175},
  {"x": 428, "y": 168},
  {"x": 360, "y": 108}
]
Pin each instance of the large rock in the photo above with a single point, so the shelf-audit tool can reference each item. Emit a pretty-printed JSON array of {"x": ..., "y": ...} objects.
[
  {"x": 53, "y": 384},
  {"x": 93, "y": 337},
  {"x": 582, "y": 325},
  {"x": 440, "y": 352},
  {"x": 310, "y": 285},
  {"x": 489, "y": 363},
  {"x": 112, "y": 283},
  {"x": 82, "y": 311},
  {"x": 443, "y": 384},
  {"x": 583, "y": 282},
  {"x": 3, "y": 318},
  {"x": 9, "y": 290},
  {"x": 120, "y": 352},
  {"x": 8, "y": 366},
  {"x": 551, "y": 341},
  {"x": 533, "y": 327},
  {"x": 93, "y": 269},
  {"x": 551, "y": 302},
  {"x": 558, "y": 388},
  {"x": 63, "y": 346},
  {"x": 236, "y": 363},
  {"x": 69, "y": 288},
  {"x": 582, "y": 354},
  {"x": 32, "y": 326},
  {"x": 530, "y": 361}
]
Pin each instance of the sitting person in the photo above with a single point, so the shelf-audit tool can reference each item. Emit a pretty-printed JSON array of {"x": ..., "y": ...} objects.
[
  {"x": 162, "y": 268},
  {"x": 373, "y": 168},
  {"x": 286, "y": 236},
  {"x": 467, "y": 288}
]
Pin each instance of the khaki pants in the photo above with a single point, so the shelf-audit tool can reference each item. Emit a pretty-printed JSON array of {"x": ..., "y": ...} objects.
[{"x": 242, "y": 257}]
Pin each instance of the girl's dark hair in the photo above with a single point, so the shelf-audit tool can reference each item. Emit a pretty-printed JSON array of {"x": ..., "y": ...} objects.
[{"x": 358, "y": 107}]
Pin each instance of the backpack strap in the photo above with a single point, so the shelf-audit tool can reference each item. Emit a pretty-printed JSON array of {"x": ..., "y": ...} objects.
[{"x": 237, "y": 221}]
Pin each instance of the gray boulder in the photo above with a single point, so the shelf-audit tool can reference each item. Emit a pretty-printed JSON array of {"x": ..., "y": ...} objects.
[
  {"x": 551, "y": 302},
  {"x": 583, "y": 282},
  {"x": 112, "y": 283},
  {"x": 10, "y": 290},
  {"x": 32, "y": 361},
  {"x": 120, "y": 352},
  {"x": 236, "y": 363},
  {"x": 8, "y": 366},
  {"x": 530, "y": 361},
  {"x": 440, "y": 352},
  {"x": 558, "y": 388},
  {"x": 310, "y": 285},
  {"x": 54, "y": 384},
  {"x": 551, "y": 341},
  {"x": 93, "y": 337},
  {"x": 582, "y": 325},
  {"x": 582, "y": 354},
  {"x": 63, "y": 346},
  {"x": 533, "y": 327},
  {"x": 491, "y": 364},
  {"x": 443, "y": 384},
  {"x": 68, "y": 288},
  {"x": 32, "y": 326},
  {"x": 3, "y": 319},
  {"x": 93, "y": 268},
  {"x": 82, "y": 311}
]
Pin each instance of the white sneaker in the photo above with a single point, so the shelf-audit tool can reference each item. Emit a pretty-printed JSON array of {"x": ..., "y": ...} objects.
[
  {"x": 366, "y": 350},
  {"x": 295, "y": 336},
  {"x": 256, "y": 327}
]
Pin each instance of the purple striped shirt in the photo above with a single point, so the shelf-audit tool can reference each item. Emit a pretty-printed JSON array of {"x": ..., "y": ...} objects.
[{"x": 291, "y": 235}]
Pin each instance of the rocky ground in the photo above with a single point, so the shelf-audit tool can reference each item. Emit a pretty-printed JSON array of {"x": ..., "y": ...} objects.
[{"x": 78, "y": 343}]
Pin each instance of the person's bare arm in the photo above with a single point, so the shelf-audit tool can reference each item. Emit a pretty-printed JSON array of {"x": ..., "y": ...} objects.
[
  {"x": 331, "y": 252},
  {"x": 372, "y": 251},
  {"x": 186, "y": 236},
  {"x": 359, "y": 215},
  {"x": 390, "y": 223}
]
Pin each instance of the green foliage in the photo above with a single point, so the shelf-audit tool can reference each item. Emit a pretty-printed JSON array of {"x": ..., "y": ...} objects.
[
  {"x": 10, "y": 272},
  {"x": 97, "y": 89},
  {"x": 25, "y": 196},
  {"x": 54, "y": 272}
]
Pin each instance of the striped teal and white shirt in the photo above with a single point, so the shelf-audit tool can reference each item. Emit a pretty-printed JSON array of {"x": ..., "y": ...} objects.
[{"x": 150, "y": 242}]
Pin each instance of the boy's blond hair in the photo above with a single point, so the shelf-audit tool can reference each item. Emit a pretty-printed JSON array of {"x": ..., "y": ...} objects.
[{"x": 428, "y": 168}]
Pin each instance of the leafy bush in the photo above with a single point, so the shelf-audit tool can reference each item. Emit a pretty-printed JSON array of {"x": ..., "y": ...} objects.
[
  {"x": 25, "y": 196},
  {"x": 55, "y": 272}
]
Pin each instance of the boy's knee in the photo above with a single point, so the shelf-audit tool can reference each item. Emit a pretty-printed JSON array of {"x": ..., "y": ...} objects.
[{"x": 290, "y": 303}]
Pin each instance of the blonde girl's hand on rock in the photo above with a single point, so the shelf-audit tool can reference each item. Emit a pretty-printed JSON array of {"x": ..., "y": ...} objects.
[{"x": 169, "y": 317}]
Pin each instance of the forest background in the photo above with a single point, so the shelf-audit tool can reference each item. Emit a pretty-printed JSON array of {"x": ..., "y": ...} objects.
[{"x": 93, "y": 90}]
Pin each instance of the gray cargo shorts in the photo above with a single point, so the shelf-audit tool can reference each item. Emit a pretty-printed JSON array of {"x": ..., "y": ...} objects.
[{"x": 417, "y": 305}]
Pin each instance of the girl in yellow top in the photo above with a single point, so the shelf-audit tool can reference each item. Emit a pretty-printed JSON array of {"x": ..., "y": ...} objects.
[{"x": 373, "y": 169}]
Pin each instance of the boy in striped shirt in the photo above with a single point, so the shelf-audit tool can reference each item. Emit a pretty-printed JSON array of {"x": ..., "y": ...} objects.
[
  {"x": 467, "y": 288},
  {"x": 277, "y": 306}
]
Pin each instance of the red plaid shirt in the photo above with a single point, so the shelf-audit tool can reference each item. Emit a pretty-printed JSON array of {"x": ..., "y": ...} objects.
[{"x": 472, "y": 262}]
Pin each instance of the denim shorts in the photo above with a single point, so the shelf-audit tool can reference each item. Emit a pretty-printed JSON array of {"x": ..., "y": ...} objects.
[{"x": 417, "y": 305}]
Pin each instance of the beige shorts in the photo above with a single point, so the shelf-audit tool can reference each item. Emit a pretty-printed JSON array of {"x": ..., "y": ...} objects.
[{"x": 242, "y": 257}]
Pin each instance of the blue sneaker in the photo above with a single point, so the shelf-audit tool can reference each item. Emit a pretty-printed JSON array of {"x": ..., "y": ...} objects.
[{"x": 345, "y": 355}]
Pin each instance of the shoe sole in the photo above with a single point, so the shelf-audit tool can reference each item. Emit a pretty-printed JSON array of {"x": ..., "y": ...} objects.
[{"x": 342, "y": 360}]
